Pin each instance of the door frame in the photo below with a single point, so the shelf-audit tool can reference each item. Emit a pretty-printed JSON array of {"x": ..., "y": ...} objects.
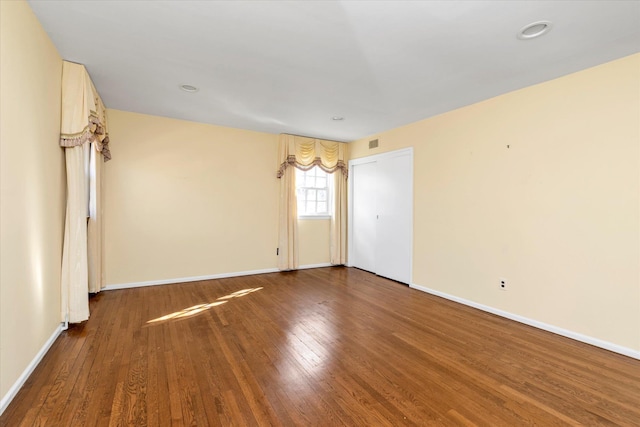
[{"x": 369, "y": 159}]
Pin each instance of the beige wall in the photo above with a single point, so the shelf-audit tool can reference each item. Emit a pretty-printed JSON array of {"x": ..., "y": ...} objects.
[
  {"x": 32, "y": 190},
  {"x": 314, "y": 241},
  {"x": 540, "y": 186},
  {"x": 185, "y": 199}
]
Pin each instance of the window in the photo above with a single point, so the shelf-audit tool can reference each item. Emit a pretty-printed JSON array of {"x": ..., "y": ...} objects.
[{"x": 313, "y": 190}]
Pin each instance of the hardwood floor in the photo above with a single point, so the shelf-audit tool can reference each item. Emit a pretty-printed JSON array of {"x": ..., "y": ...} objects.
[{"x": 325, "y": 347}]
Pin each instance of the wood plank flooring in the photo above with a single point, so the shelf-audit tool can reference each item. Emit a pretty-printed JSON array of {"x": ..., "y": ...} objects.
[{"x": 325, "y": 347}]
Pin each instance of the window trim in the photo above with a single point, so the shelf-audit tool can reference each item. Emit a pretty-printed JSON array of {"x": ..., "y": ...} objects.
[{"x": 314, "y": 217}]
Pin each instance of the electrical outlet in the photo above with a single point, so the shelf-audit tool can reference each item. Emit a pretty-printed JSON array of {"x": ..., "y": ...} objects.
[{"x": 502, "y": 284}]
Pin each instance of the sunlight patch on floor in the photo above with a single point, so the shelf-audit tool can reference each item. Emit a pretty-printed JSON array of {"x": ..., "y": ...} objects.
[
  {"x": 200, "y": 308},
  {"x": 239, "y": 293},
  {"x": 187, "y": 312}
]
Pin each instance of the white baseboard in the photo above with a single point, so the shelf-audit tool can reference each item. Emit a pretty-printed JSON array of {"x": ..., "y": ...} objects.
[
  {"x": 188, "y": 279},
  {"x": 536, "y": 324},
  {"x": 305, "y": 267},
  {"x": 15, "y": 388},
  {"x": 199, "y": 278}
]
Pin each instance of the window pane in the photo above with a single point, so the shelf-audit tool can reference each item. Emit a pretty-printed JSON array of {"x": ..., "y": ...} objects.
[{"x": 313, "y": 190}]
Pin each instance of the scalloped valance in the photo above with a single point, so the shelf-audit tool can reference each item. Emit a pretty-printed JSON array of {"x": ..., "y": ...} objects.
[
  {"x": 84, "y": 116},
  {"x": 304, "y": 153}
]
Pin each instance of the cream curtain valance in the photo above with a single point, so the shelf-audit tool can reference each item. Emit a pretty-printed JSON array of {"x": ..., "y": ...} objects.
[
  {"x": 84, "y": 116},
  {"x": 305, "y": 153},
  {"x": 83, "y": 134}
]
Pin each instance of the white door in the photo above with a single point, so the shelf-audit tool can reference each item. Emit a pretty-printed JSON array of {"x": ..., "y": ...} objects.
[
  {"x": 364, "y": 209},
  {"x": 394, "y": 242},
  {"x": 381, "y": 214}
]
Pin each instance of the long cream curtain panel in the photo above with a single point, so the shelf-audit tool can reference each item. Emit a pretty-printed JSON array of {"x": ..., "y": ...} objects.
[
  {"x": 305, "y": 153},
  {"x": 84, "y": 136}
]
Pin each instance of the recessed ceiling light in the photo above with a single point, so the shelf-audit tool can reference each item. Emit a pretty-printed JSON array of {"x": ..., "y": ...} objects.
[
  {"x": 535, "y": 29},
  {"x": 189, "y": 88},
  {"x": 337, "y": 118}
]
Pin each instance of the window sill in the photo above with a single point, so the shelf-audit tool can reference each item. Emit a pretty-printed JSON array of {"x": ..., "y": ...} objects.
[{"x": 313, "y": 217}]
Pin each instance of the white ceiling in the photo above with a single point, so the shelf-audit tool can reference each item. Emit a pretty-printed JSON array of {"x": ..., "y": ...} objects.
[{"x": 289, "y": 66}]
